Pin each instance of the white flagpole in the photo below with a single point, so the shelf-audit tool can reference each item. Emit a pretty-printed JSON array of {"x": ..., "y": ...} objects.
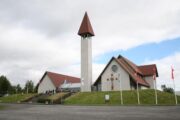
[
  {"x": 155, "y": 87},
  {"x": 137, "y": 89},
  {"x": 120, "y": 89},
  {"x": 172, "y": 70},
  {"x": 175, "y": 92},
  {"x": 138, "y": 93}
]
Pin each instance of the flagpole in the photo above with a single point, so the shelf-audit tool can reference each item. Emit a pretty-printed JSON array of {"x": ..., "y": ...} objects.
[
  {"x": 172, "y": 76},
  {"x": 137, "y": 89},
  {"x": 155, "y": 87},
  {"x": 120, "y": 90},
  {"x": 138, "y": 93},
  {"x": 175, "y": 93}
]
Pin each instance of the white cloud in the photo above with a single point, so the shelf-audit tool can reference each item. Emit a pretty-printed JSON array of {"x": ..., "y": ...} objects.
[
  {"x": 24, "y": 51},
  {"x": 164, "y": 70},
  {"x": 36, "y": 36},
  {"x": 137, "y": 23},
  {"x": 74, "y": 70}
]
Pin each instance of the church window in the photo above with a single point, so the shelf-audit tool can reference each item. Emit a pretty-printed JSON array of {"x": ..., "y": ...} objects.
[{"x": 114, "y": 68}]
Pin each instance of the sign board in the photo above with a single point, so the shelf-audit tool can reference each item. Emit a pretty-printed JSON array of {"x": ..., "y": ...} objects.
[{"x": 107, "y": 97}]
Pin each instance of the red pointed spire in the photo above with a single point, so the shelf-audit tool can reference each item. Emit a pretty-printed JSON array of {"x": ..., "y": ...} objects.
[{"x": 86, "y": 28}]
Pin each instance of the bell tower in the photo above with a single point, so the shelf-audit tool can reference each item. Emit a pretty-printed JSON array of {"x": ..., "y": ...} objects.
[{"x": 86, "y": 33}]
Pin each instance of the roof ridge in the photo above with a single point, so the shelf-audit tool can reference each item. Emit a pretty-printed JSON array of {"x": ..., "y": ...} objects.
[
  {"x": 146, "y": 65},
  {"x": 130, "y": 64},
  {"x": 123, "y": 65},
  {"x": 61, "y": 74},
  {"x": 131, "y": 73}
]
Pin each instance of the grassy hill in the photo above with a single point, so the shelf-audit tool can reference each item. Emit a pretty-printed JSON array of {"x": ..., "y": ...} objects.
[
  {"x": 129, "y": 98},
  {"x": 15, "y": 98}
]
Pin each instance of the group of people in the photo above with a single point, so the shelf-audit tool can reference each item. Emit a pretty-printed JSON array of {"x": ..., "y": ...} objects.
[{"x": 50, "y": 92}]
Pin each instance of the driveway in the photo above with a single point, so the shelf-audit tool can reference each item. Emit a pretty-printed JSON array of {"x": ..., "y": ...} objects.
[{"x": 60, "y": 112}]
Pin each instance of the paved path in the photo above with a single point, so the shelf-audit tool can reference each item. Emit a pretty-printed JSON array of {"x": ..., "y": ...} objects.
[{"x": 60, "y": 112}]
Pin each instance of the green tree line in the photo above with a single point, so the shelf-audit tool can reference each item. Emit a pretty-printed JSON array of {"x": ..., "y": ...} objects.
[{"x": 7, "y": 88}]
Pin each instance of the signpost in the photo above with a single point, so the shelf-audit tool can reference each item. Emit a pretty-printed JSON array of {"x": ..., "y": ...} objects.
[{"x": 107, "y": 98}]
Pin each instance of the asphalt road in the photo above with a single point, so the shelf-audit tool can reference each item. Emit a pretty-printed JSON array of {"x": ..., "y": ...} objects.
[{"x": 60, "y": 112}]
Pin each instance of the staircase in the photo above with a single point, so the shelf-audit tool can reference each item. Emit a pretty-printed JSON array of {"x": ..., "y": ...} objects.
[
  {"x": 58, "y": 100},
  {"x": 35, "y": 98}
]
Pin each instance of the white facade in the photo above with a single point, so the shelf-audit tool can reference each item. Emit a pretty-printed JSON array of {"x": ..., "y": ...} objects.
[
  {"x": 119, "y": 76},
  {"x": 86, "y": 64},
  {"x": 46, "y": 85},
  {"x": 150, "y": 81},
  {"x": 70, "y": 85}
]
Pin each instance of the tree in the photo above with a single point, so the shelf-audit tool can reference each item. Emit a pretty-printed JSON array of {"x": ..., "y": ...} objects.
[
  {"x": 18, "y": 88},
  {"x": 5, "y": 85},
  {"x": 167, "y": 89},
  {"x": 12, "y": 90},
  {"x": 29, "y": 86}
]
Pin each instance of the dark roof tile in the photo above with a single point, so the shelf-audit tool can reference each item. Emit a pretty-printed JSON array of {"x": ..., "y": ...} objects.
[{"x": 86, "y": 28}]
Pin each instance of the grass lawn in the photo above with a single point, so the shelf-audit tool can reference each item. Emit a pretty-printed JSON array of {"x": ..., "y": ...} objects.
[
  {"x": 15, "y": 98},
  {"x": 129, "y": 98}
]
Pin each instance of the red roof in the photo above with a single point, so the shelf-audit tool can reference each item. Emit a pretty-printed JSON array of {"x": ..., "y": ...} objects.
[
  {"x": 131, "y": 64},
  {"x": 148, "y": 70},
  {"x": 58, "y": 79},
  {"x": 86, "y": 28},
  {"x": 132, "y": 69}
]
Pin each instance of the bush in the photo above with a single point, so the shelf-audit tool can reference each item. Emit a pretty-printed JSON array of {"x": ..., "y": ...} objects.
[{"x": 167, "y": 89}]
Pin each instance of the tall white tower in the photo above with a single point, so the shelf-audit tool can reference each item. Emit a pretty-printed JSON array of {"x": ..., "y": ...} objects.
[{"x": 86, "y": 32}]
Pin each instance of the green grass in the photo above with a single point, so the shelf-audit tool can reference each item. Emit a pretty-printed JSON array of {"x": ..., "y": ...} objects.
[
  {"x": 129, "y": 98},
  {"x": 15, "y": 98}
]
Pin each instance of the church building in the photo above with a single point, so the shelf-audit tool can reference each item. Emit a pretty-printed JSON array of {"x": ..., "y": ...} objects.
[
  {"x": 122, "y": 74},
  {"x": 119, "y": 74},
  {"x": 54, "y": 82}
]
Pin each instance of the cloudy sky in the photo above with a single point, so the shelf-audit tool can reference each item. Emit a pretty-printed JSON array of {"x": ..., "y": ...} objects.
[{"x": 41, "y": 35}]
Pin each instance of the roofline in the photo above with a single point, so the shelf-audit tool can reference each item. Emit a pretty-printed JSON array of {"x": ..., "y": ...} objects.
[
  {"x": 130, "y": 74},
  {"x": 157, "y": 74},
  {"x": 127, "y": 61},
  {"x": 50, "y": 77},
  {"x": 63, "y": 74},
  {"x": 104, "y": 70},
  {"x": 121, "y": 66},
  {"x": 41, "y": 79}
]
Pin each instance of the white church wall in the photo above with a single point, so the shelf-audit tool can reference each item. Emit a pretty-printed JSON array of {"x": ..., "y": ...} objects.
[
  {"x": 150, "y": 81},
  {"x": 143, "y": 87},
  {"x": 46, "y": 85},
  {"x": 124, "y": 77}
]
